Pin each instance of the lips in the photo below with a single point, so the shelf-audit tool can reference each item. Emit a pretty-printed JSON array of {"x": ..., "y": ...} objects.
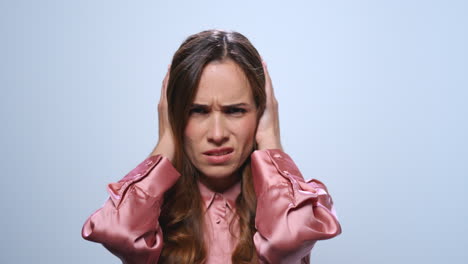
[
  {"x": 218, "y": 152},
  {"x": 219, "y": 155}
]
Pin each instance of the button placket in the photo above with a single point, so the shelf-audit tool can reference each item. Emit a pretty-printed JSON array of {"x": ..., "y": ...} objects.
[{"x": 219, "y": 206}]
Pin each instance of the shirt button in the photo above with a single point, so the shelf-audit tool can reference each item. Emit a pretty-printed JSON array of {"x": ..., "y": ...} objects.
[
  {"x": 278, "y": 156},
  {"x": 286, "y": 172},
  {"x": 149, "y": 162}
]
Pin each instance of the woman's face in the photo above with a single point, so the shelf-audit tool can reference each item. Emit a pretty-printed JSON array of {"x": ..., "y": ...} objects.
[{"x": 220, "y": 131}]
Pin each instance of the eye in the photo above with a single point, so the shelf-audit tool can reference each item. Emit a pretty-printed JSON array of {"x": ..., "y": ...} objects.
[
  {"x": 198, "y": 110},
  {"x": 235, "y": 111}
]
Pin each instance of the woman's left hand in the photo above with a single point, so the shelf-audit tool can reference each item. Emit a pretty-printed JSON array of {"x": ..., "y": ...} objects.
[{"x": 268, "y": 131}]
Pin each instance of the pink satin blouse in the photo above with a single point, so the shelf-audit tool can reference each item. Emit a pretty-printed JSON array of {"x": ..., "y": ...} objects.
[{"x": 291, "y": 214}]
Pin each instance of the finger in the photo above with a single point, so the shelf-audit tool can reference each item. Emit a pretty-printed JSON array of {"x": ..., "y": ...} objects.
[
  {"x": 162, "y": 106},
  {"x": 268, "y": 83},
  {"x": 164, "y": 86}
]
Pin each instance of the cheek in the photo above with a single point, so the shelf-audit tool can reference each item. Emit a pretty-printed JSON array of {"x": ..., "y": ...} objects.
[
  {"x": 247, "y": 131},
  {"x": 190, "y": 136}
]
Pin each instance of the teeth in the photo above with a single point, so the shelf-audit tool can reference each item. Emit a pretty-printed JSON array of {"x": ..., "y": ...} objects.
[{"x": 220, "y": 153}]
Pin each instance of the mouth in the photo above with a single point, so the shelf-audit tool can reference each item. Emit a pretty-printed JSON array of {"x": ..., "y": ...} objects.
[
  {"x": 218, "y": 152},
  {"x": 219, "y": 155}
]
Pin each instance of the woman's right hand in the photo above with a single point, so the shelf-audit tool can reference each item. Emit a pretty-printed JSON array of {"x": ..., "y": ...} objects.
[{"x": 165, "y": 144}]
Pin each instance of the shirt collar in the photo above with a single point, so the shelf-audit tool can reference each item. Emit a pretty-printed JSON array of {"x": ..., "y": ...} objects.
[{"x": 229, "y": 195}]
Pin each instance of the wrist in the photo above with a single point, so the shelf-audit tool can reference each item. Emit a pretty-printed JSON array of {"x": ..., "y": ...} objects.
[
  {"x": 164, "y": 150},
  {"x": 274, "y": 144}
]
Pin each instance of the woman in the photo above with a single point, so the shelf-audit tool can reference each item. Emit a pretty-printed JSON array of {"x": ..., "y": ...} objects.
[{"x": 217, "y": 188}]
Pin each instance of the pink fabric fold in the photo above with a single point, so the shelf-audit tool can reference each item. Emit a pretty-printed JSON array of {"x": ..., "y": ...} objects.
[
  {"x": 127, "y": 223},
  {"x": 290, "y": 217}
]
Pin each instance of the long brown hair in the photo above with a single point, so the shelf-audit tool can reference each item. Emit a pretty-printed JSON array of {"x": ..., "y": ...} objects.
[{"x": 182, "y": 213}]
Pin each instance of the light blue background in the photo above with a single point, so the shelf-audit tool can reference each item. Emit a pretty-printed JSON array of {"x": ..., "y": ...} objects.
[{"x": 373, "y": 102}]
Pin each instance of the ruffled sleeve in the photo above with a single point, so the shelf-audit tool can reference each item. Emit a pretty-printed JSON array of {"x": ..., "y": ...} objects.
[
  {"x": 291, "y": 214},
  {"x": 127, "y": 225}
]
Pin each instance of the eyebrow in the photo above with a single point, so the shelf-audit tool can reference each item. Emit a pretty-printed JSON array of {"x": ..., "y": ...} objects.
[{"x": 224, "y": 106}]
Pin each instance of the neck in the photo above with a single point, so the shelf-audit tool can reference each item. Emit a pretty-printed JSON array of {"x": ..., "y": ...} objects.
[{"x": 220, "y": 184}]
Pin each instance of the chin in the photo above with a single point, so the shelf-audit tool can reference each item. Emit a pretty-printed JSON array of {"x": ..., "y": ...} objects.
[{"x": 218, "y": 172}]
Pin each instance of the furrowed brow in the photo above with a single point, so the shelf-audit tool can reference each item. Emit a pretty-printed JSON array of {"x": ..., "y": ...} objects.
[
  {"x": 236, "y": 105},
  {"x": 200, "y": 105}
]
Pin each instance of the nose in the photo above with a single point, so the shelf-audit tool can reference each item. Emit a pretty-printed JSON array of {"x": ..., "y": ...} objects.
[{"x": 217, "y": 133}]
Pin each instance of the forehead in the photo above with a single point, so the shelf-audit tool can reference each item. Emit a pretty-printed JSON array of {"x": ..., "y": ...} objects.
[{"x": 223, "y": 82}]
